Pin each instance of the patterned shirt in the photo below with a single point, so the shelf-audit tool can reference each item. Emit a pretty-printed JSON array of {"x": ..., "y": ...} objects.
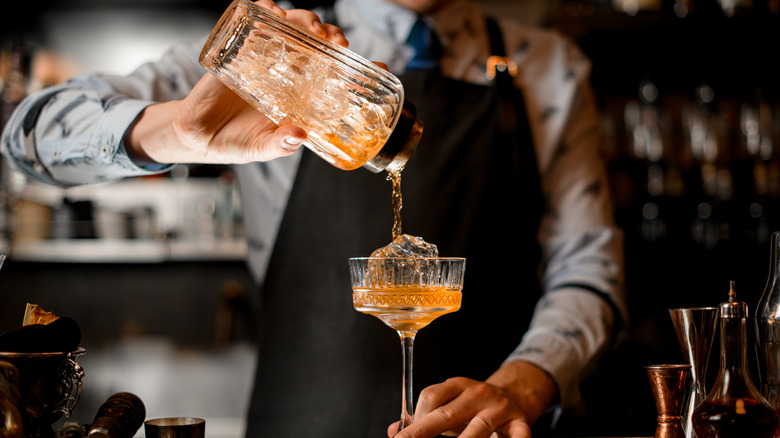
[{"x": 71, "y": 134}]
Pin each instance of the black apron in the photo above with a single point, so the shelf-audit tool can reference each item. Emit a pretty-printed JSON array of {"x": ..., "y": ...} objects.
[{"x": 326, "y": 370}]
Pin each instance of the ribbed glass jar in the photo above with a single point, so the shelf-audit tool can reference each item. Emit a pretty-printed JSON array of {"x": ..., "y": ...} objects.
[{"x": 352, "y": 110}]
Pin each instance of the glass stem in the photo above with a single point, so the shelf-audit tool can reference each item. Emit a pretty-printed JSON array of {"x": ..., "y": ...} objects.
[{"x": 407, "y": 399}]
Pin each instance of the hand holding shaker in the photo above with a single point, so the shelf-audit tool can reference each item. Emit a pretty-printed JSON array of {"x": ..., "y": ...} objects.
[{"x": 353, "y": 111}]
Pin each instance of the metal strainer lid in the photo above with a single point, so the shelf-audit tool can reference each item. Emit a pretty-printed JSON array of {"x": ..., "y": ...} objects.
[
  {"x": 401, "y": 144},
  {"x": 733, "y": 308}
]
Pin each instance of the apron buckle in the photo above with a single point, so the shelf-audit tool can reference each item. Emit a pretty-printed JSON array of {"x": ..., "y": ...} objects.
[{"x": 499, "y": 63}]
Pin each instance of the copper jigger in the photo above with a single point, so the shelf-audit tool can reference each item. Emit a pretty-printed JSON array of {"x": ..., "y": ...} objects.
[{"x": 669, "y": 384}]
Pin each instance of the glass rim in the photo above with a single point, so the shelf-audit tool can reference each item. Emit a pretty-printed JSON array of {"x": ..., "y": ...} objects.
[
  {"x": 408, "y": 258},
  {"x": 71, "y": 354},
  {"x": 694, "y": 308},
  {"x": 174, "y": 421}
]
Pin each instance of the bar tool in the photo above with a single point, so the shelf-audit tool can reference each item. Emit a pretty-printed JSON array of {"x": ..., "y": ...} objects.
[
  {"x": 695, "y": 328},
  {"x": 669, "y": 384}
]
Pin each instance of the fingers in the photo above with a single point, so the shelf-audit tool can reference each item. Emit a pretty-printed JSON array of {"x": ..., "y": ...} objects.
[
  {"x": 392, "y": 429},
  {"x": 498, "y": 420},
  {"x": 268, "y": 4},
  {"x": 517, "y": 429},
  {"x": 286, "y": 140},
  {"x": 440, "y": 394},
  {"x": 468, "y": 409},
  {"x": 336, "y": 35},
  {"x": 311, "y": 21}
]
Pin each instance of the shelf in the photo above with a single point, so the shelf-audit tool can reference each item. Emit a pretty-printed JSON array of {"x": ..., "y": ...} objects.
[
  {"x": 141, "y": 220},
  {"x": 126, "y": 251}
]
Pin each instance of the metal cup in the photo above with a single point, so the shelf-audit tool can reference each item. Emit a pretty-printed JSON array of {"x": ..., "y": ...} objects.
[
  {"x": 695, "y": 328},
  {"x": 669, "y": 384},
  {"x": 175, "y": 427},
  {"x": 36, "y": 389}
]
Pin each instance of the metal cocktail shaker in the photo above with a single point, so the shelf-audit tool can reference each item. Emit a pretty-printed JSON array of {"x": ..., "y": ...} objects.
[{"x": 695, "y": 328}]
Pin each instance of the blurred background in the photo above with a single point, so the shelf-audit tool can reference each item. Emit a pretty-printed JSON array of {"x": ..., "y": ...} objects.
[{"x": 152, "y": 268}]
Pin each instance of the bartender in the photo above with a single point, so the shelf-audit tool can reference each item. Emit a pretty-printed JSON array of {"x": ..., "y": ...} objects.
[{"x": 507, "y": 174}]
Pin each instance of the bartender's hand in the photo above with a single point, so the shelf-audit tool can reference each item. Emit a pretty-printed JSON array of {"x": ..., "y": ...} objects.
[
  {"x": 213, "y": 124},
  {"x": 507, "y": 404}
]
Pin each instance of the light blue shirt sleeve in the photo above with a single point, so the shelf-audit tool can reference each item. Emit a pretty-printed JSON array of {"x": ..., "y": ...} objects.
[
  {"x": 71, "y": 134},
  {"x": 43, "y": 140}
]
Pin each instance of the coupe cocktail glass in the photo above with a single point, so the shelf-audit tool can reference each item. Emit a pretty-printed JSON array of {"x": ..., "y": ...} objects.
[{"x": 407, "y": 294}]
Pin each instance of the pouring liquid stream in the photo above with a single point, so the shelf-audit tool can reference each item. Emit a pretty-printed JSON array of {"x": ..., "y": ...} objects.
[{"x": 397, "y": 201}]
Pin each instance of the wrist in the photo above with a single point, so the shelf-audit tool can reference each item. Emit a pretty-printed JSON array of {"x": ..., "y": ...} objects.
[
  {"x": 532, "y": 388},
  {"x": 148, "y": 137}
]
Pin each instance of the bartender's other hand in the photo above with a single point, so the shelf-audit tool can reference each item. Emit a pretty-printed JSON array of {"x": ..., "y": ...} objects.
[{"x": 507, "y": 404}]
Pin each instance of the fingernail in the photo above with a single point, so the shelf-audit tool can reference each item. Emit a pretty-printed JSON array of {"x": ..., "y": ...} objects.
[{"x": 292, "y": 142}]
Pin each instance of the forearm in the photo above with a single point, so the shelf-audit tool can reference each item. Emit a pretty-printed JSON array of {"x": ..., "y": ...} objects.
[
  {"x": 71, "y": 134},
  {"x": 570, "y": 330},
  {"x": 583, "y": 308}
]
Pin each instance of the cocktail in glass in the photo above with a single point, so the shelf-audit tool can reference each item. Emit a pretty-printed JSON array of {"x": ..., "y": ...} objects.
[{"x": 407, "y": 294}]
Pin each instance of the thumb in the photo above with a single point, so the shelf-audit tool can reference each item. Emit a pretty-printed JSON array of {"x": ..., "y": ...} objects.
[
  {"x": 392, "y": 429},
  {"x": 286, "y": 140}
]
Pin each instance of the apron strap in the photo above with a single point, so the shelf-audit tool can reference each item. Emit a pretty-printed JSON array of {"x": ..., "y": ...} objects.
[
  {"x": 511, "y": 118},
  {"x": 502, "y": 70},
  {"x": 496, "y": 39}
]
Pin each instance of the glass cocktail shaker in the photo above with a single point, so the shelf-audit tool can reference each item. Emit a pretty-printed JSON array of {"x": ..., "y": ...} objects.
[{"x": 353, "y": 111}]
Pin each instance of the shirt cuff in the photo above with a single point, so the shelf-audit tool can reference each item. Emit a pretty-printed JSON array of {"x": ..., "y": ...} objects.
[
  {"x": 148, "y": 166},
  {"x": 107, "y": 143},
  {"x": 102, "y": 157}
]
